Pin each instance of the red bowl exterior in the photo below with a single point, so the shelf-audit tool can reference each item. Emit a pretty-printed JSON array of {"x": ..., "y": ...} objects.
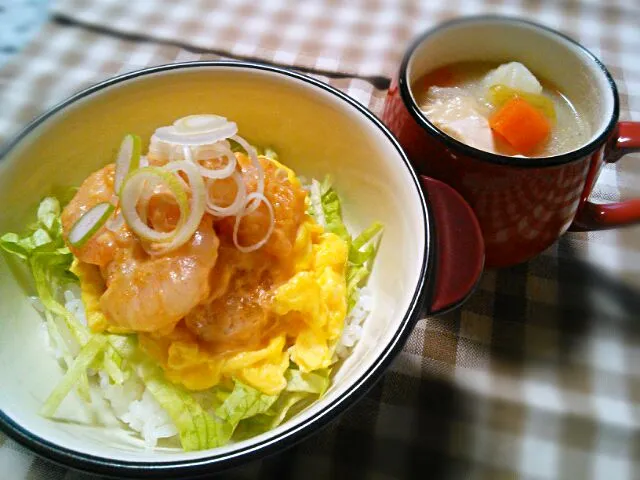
[
  {"x": 522, "y": 204},
  {"x": 522, "y": 210}
]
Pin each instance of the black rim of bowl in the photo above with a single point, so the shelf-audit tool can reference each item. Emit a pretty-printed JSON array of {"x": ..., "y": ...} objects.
[
  {"x": 295, "y": 433},
  {"x": 536, "y": 162}
]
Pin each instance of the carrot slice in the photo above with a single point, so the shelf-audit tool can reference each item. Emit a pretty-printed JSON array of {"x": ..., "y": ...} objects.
[{"x": 520, "y": 124}]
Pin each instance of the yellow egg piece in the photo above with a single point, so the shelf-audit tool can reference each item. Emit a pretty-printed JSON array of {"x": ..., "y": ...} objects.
[
  {"x": 319, "y": 296},
  {"x": 310, "y": 351},
  {"x": 302, "y": 294},
  {"x": 245, "y": 359},
  {"x": 91, "y": 289},
  {"x": 267, "y": 376},
  {"x": 331, "y": 251},
  {"x": 334, "y": 296}
]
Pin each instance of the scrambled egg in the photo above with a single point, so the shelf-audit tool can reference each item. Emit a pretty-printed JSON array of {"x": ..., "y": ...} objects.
[
  {"x": 311, "y": 307},
  {"x": 91, "y": 288},
  {"x": 317, "y": 293}
]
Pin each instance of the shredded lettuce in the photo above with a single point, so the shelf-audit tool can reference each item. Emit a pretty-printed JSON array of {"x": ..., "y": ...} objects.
[
  {"x": 283, "y": 408},
  {"x": 332, "y": 210},
  {"x": 362, "y": 249},
  {"x": 43, "y": 250},
  {"x": 309, "y": 382},
  {"x": 315, "y": 203},
  {"x": 187, "y": 415},
  {"x": 302, "y": 389},
  {"x": 364, "y": 239},
  {"x": 244, "y": 402},
  {"x": 113, "y": 365},
  {"x": 287, "y": 402},
  {"x": 79, "y": 367}
]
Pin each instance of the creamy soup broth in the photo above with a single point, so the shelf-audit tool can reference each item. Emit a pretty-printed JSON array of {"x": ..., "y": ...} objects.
[{"x": 455, "y": 98}]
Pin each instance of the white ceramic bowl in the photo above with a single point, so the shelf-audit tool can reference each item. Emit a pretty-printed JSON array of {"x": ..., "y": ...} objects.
[{"x": 316, "y": 130}]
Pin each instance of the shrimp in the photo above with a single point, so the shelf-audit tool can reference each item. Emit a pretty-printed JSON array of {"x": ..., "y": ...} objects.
[
  {"x": 236, "y": 311},
  {"x": 144, "y": 293},
  {"x": 101, "y": 248},
  {"x": 152, "y": 293},
  {"x": 287, "y": 199}
]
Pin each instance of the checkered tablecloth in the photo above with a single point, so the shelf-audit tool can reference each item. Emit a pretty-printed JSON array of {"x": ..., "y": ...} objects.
[{"x": 538, "y": 375}]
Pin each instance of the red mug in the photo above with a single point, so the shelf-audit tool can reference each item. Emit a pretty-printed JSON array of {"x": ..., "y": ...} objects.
[{"x": 522, "y": 204}]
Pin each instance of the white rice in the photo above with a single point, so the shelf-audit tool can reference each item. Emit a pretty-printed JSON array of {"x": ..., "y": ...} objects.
[
  {"x": 352, "y": 331},
  {"x": 131, "y": 402},
  {"x": 134, "y": 405}
]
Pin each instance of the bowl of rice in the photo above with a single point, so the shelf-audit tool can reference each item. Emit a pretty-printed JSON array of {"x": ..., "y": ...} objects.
[{"x": 113, "y": 384}]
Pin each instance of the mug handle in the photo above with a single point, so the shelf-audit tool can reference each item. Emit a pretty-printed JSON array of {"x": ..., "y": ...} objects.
[
  {"x": 593, "y": 216},
  {"x": 459, "y": 247}
]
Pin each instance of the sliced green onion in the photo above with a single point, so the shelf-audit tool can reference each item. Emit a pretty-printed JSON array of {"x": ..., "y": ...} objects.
[
  {"x": 236, "y": 206},
  {"x": 128, "y": 159},
  {"x": 219, "y": 173},
  {"x": 256, "y": 163},
  {"x": 172, "y": 136},
  {"x": 196, "y": 206},
  {"x": 134, "y": 186},
  {"x": 199, "y": 123},
  {"x": 259, "y": 198},
  {"x": 89, "y": 223}
]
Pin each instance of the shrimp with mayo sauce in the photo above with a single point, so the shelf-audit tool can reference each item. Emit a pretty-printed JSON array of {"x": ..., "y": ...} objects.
[
  {"x": 144, "y": 292},
  {"x": 101, "y": 248}
]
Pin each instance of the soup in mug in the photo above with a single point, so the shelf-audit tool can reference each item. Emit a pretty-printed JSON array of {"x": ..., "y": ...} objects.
[{"x": 502, "y": 109}]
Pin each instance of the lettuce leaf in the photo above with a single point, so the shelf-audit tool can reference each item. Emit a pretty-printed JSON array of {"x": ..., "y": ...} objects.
[
  {"x": 332, "y": 210},
  {"x": 268, "y": 421},
  {"x": 113, "y": 364},
  {"x": 302, "y": 389},
  {"x": 47, "y": 271},
  {"x": 314, "y": 207},
  {"x": 244, "y": 402},
  {"x": 185, "y": 413},
  {"x": 79, "y": 367},
  {"x": 48, "y": 216},
  {"x": 43, "y": 250},
  {"x": 362, "y": 249},
  {"x": 286, "y": 404},
  {"x": 116, "y": 359},
  {"x": 307, "y": 382}
]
